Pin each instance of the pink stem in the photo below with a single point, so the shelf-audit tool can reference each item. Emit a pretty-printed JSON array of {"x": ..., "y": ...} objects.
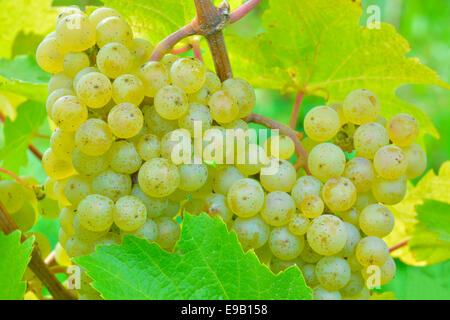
[
  {"x": 296, "y": 110},
  {"x": 243, "y": 10}
]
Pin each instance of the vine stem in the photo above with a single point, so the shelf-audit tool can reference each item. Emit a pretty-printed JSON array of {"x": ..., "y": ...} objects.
[
  {"x": 399, "y": 245},
  {"x": 182, "y": 49},
  {"x": 15, "y": 177},
  {"x": 296, "y": 110},
  {"x": 197, "y": 50},
  {"x": 243, "y": 10},
  {"x": 169, "y": 42}
]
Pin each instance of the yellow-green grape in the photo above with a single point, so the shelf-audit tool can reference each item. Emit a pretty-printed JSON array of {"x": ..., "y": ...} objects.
[
  {"x": 354, "y": 263},
  {"x": 77, "y": 188},
  {"x": 61, "y": 256},
  {"x": 158, "y": 177},
  {"x": 155, "y": 206},
  {"x": 102, "y": 13},
  {"x": 75, "y": 33},
  {"x": 197, "y": 113},
  {"x": 49, "y": 184},
  {"x": 360, "y": 172},
  {"x": 59, "y": 81},
  {"x": 277, "y": 265},
  {"x": 81, "y": 73},
  {"x": 363, "y": 295},
  {"x": 171, "y": 102},
  {"x": 403, "y": 129},
  {"x": 284, "y": 245},
  {"x": 298, "y": 225},
  {"x": 353, "y": 237},
  {"x": 242, "y": 92},
  {"x": 88, "y": 165},
  {"x": 364, "y": 199},
  {"x": 157, "y": 125},
  {"x": 129, "y": 213},
  {"x": 55, "y": 95},
  {"x": 26, "y": 217},
  {"x": 67, "y": 12},
  {"x": 84, "y": 234},
  {"x": 29, "y": 193},
  {"x": 312, "y": 206},
  {"x": 361, "y": 106},
  {"x": 286, "y": 147},
  {"x": 389, "y": 191},
  {"x": 66, "y": 218},
  {"x": 278, "y": 208},
  {"x": 320, "y": 293},
  {"x": 62, "y": 143},
  {"x": 56, "y": 167},
  {"x": 206, "y": 189},
  {"x": 309, "y": 274},
  {"x": 154, "y": 77},
  {"x": 224, "y": 178},
  {"x": 223, "y": 107},
  {"x": 321, "y": 123},
  {"x": 252, "y": 232},
  {"x": 201, "y": 96},
  {"x": 173, "y": 208},
  {"x": 141, "y": 51},
  {"x": 114, "y": 59},
  {"x": 351, "y": 215},
  {"x": 188, "y": 73},
  {"x": 74, "y": 62},
  {"x": 308, "y": 255},
  {"x": 62, "y": 237},
  {"x": 254, "y": 159},
  {"x": 50, "y": 55},
  {"x": 368, "y": 138},
  {"x": 94, "y": 89},
  {"x": 327, "y": 235},
  {"x": 94, "y": 137},
  {"x": 128, "y": 88},
  {"x": 264, "y": 255},
  {"x": 174, "y": 144},
  {"x": 42, "y": 242},
  {"x": 148, "y": 231},
  {"x": 333, "y": 273},
  {"x": 304, "y": 187},
  {"x": 168, "y": 232},
  {"x": 149, "y": 147},
  {"x": 112, "y": 184},
  {"x": 390, "y": 162},
  {"x": 59, "y": 191},
  {"x": 354, "y": 285},
  {"x": 11, "y": 195},
  {"x": 76, "y": 247},
  {"x": 48, "y": 208},
  {"x": 387, "y": 272},
  {"x": 212, "y": 81},
  {"x": 194, "y": 206},
  {"x": 236, "y": 124},
  {"x": 216, "y": 205},
  {"x": 245, "y": 197},
  {"x": 326, "y": 161},
  {"x": 114, "y": 29},
  {"x": 69, "y": 113},
  {"x": 339, "y": 194},
  {"x": 168, "y": 60},
  {"x": 371, "y": 251},
  {"x": 283, "y": 179},
  {"x": 96, "y": 213},
  {"x": 108, "y": 239},
  {"x": 309, "y": 144},
  {"x": 192, "y": 176},
  {"x": 123, "y": 157},
  {"x": 417, "y": 160},
  {"x": 376, "y": 220},
  {"x": 339, "y": 108}
]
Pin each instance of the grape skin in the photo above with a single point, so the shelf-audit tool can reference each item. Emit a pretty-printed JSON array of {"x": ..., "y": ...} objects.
[
  {"x": 298, "y": 225},
  {"x": 252, "y": 232},
  {"x": 74, "y": 62},
  {"x": 69, "y": 113},
  {"x": 96, "y": 213},
  {"x": 11, "y": 195},
  {"x": 62, "y": 143},
  {"x": 125, "y": 120},
  {"x": 192, "y": 176},
  {"x": 94, "y": 89},
  {"x": 333, "y": 273},
  {"x": 371, "y": 251},
  {"x": 188, "y": 73},
  {"x": 148, "y": 231},
  {"x": 112, "y": 184},
  {"x": 128, "y": 88},
  {"x": 88, "y": 165},
  {"x": 306, "y": 186},
  {"x": 376, "y": 220},
  {"x": 223, "y": 107},
  {"x": 417, "y": 160},
  {"x": 102, "y": 13},
  {"x": 286, "y": 147},
  {"x": 157, "y": 125},
  {"x": 149, "y": 147},
  {"x": 321, "y": 123},
  {"x": 320, "y": 293},
  {"x": 284, "y": 245},
  {"x": 245, "y": 197},
  {"x": 154, "y": 77},
  {"x": 50, "y": 55},
  {"x": 403, "y": 129},
  {"x": 123, "y": 157},
  {"x": 168, "y": 232},
  {"x": 241, "y": 91},
  {"x": 368, "y": 138},
  {"x": 55, "y": 95},
  {"x": 56, "y": 167},
  {"x": 93, "y": 137},
  {"x": 75, "y": 39},
  {"x": 77, "y": 188},
  {"x": 216, "y": 205},
  {"x": 158, "y": 177},
  {"x": 326, "y": 161},
  {"x": 353, "y": 237},
  {"x": 339, "y": 194},
  {"x": 129, "y": 213},
  {"x": 360, "y": 172},
  {"x": 224, "y": 178},
  {"x": 282, "y": 180},
  {"x": 390, "y": 162},
  {"x": 327, "y": 235},
  {"x": 361, "y": 106},
  {"x": 197, "y": 112},
  {"x": 389, "y": 191},
  {"x": 114, "y": 60},
  {"x": 171, "y": 102},
  {"x": 113, "y": 29},
  {"x": 312, "y": 206},
  {"x": 278, "y": 208}
]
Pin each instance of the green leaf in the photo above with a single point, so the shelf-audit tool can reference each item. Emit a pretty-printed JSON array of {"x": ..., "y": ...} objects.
[
  {"x": 82, "y": 4},
  {"x": 383, "y": 296},
  {"x": 14, "y": 259},
  {"x": 208, "y": 263},
  {"x": 435, "y": 216}
]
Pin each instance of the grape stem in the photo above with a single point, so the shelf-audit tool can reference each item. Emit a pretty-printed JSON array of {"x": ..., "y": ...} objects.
[
  {"x": 169, "y": 42},
  {"x": 197, "y": 50},
  {"x": 15, "y": 177},
  {"x": 182, "y": 49},
  {"x": 399, "y": 245},
  {"x": 296, "y": 110},
  {"x": 243, "y": 10},
  {"x": 302, "y": 154},
  {"x": 36, "y": 264}
]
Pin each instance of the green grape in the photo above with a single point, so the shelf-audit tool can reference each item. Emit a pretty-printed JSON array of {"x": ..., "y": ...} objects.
[
  {"x": 194, "y": 206},
  {"x": 26, "y": 217},
  {"x": 81, "y": 73},
  {"x": 216, "y": 205},
  {"x": 197, "y": 112},
  {"x": 354, "y": 263},
  {"x": 74, "y": 62},
  {"x": 354, "y": 285},
  {"x": 29, "y": 193},
  {"x": 62, "y": 237},
  {"x": 255, "y": 158},
  {"x": 128, "y": 88},
  {"x": 123, "y": 157},
  {"x": 66, "y": 218},
  {"x": 69, "y": 113},
  {"x": 252, "y": 232},
  {"x": 173, "y": 208},
  {"x": 188, "y": 73},
  {"x": 223, "y": 107},
  {"x": 56, "y": 167},
  {"x": 339, "y": 108},
  {"x": 282, "y": 180},
  {"x": 59, "y": 81},
  {"x": 389, "y": 191},
  {"x": 75, "y": 33},
  {"x": 155, "y": 206},
  {"x": 114, "y": 59},
  {"x": 77, "y": 188},
  {"x": 168, "y": 60},
  {"x": 403, "y": 129},
  {"x": 11, "y": 195},
  {"x": 148, "y": 231},
  {"x": 360, "y": 172},
  {"x": 149, "y": 147},
  {"x": 88, "y": 165},
  {"x": 67, "y": 12},
  {"x": 309, "y": 274},
  {"x": 285, "y": 245},
  {"x": 201, "y": 96},
  {"x": 278, "y": 208},
  {"x": 351, "y": 215},
  {"x": 171, "y": 102},
  {"x": 326, "y": 161},
  {"x": 192, "y": 176},
  {"x": 212, "y": 81},
  {"x": 61, "y": 256},
  {"x": 224, "y": 178},
  {"x": 390, "y": 162},
  {"x": 84, "y": 234},
  {"x": 94, "y": 89},
  {"x": 49, "y": 184},
  {"x": 309, "y": 255},
  {"x": 59, "y": 191},
  {"x": 245, "y": 197},
  {"x": 304, "y": 187},
  {"x": 175, "y": 144},
  {"x": 339, "y": 194},
  {"x": 154, "y": 76},
  {"x": 135, "y": 139},
  {"x": 327, "y": 235},
  {"x": 55, "y": 95},
  {"x": 168, "y": 232},
  {"x": 353, "y": 238},
  {"x": 321, "y": 123},
  {"x": 112, "y": 184},
  {"x": 320, "y": 293},
  {"x": 264, "y": 255},
  {"x": 114, "y": 29},
  {"x": 42, "y": 242},
  {"x": 94, "y": 137},
  {"x": 417, "y": 160},
  {"x": 96, "y": 213},
  {"x": 361, "y": 106},
  {"x": 286, "y": 147},
  {"x": 76, "y": 247},
  {"x": 157, "y": 125},
  {"x": 376, "y": 220},
  {"x": 62, "y": 143},
  {"x": 363, "y": 200},
  {"x": 158, "y": 177},
  {"x": 368, "y": 138},
  {"x": 214, "y": 149},
  {"x": 278, "y": 265},
  {"x": 242, "y": 92},
  {"x": 371, "y": 251},
  {"x": 102, "y": 13},
  {"x": 111, "y": 238},
  {"x": 236, "y": 124},
  {"x": 333, "y": 273},
  {"x": 298, "y": 225},
  {"x": 312, "y": 206},
  {"x": 50, "y": 55},
  {"x": 130, "y": 213},
  {"x": 206, "y": 189},
  {"x": 387, "y": 271},
  {"x": 142, "y": 51}
]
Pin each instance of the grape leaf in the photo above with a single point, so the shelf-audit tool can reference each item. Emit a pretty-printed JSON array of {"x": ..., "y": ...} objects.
[
  {"x": 14, "y": 259},
  {"x": 434, "y": 215},
  {"x": 82, "y": 4},
  {"x": 208, "y": 263}
]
